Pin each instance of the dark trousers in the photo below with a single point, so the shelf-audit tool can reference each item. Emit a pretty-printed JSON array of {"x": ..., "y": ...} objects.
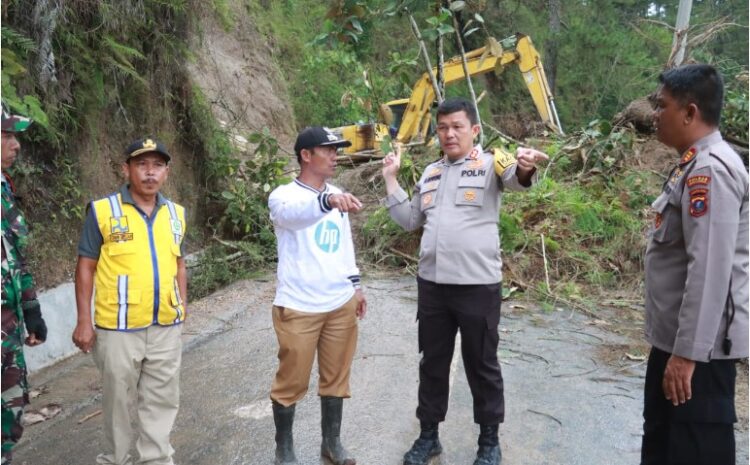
[
  {"x": 443, "y": 309},
  {"x": 698, "y": 432}
]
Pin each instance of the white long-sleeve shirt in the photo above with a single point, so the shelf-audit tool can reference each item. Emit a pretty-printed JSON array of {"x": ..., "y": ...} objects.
[{"x": 317, "y": 272}]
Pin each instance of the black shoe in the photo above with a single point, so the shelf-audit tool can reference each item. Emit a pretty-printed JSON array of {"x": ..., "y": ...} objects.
[
  {"x": 488, "y": 455},
  {"x": 423, "y": 449},
  {"x": 331, "y": 411},
  {"x": 283, "y": 418}
]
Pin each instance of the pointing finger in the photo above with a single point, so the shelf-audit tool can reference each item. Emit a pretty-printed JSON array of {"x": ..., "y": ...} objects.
[{"x": 540, "y": 156}]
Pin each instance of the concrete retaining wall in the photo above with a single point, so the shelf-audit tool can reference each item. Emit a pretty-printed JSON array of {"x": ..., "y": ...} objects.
[{"x": 59, "y": 311}]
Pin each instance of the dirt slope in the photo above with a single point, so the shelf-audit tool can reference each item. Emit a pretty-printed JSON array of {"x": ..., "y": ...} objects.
[{"x": 235, "y": 70}]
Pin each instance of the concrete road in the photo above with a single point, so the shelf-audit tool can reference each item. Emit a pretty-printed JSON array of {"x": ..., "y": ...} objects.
[{"x": 565, "y": 404}]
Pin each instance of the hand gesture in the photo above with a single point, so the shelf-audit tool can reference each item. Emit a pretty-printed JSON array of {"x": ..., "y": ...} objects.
[
  {"x": 345, "y": 202},
  {"x": 392, "y": 163},
  {"x": 527, "y": 160}
]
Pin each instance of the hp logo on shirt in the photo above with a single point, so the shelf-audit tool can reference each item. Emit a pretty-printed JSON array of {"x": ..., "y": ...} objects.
[{"x": 328, "y": 236}]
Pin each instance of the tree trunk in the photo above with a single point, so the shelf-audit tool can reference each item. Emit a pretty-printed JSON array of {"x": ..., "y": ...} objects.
[
  {"x": 680, "y": 33},
  {"x": 441, "y": 56},
  {"x": 550, "y": 59},
  {"x": 468, "y": 78},
  {"x": 426, "y": 56}
]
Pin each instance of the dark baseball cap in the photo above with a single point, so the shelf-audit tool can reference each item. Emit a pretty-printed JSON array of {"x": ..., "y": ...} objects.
[
  {"x": 14, "y": 123},
  {"x": 146, "y": 145},
  {"x": 316, "y": 136}
]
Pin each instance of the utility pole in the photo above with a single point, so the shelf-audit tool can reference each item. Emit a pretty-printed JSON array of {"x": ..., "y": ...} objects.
[{"x": 680, "y": 32}]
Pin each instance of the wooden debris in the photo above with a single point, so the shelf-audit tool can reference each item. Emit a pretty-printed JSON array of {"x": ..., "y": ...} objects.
[{"x": 89, "y": 416}]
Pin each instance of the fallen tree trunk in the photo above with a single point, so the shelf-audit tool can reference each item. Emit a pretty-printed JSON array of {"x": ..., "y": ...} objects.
[{"x": 639, "y": 113}]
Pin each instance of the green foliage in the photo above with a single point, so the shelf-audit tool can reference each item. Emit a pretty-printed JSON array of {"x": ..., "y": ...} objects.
[
  {"x": 382, "y": 240},
  {"x": 68, "y": 194},
  {"x": 224, "y": 13},
  {"x": 222, "y": 264},
  {"x": 239, "y": 186},
  {"x": 597, "y": 148},
  {"x": 402, "y": 67},
  {"x": 345, "y": 24},
  {"x": 591, "y": 211},
  {"x": 511, "y": 230},
  {"x": 214, "y": 141},
  {"x": 15, "y": 49},
  {"x": 117, "y": 67},
  {"x": 734, "y": 121},
  {"x": 440, "y": 25},
  {"x": 246, "y": 194},
  {"x": 331, "y": 90}
]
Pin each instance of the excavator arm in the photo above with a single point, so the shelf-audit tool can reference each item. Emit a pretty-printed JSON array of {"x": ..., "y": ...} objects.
[{"x": 516, "y": 49}]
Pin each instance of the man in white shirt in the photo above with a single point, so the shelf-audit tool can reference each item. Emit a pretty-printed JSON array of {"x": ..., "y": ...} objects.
[{"x": 318, "y": 295}]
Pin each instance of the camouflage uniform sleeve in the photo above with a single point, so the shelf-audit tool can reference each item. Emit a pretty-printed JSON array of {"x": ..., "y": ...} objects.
[
  {"x": 711, "y": 204},
  {"x": 28, "y": 290},
  {"x": 16, "y": 233}
]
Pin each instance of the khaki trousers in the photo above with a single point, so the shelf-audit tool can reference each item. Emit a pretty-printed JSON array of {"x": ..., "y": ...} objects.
[
  {"x": 141, "y": 367},
  {"x": 332, "y": 334}
]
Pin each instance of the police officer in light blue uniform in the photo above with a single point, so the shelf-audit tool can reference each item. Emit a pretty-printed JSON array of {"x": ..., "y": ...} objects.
[
  {"x": 696, "y": 279},
  {"x": 457, "y": 202}
]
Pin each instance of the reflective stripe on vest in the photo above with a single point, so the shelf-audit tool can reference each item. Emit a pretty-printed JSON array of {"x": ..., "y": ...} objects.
[
  {"x": 122, "y": 302},
  {"x": 174, "y": 222},
  {"x": 179, "y": 301}
]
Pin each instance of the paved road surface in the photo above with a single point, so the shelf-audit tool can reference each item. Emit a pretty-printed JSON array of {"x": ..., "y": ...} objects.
[{"x": 564, "y": 404}]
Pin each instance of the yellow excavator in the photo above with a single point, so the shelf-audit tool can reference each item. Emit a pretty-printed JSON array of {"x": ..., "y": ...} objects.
[{"x": 412, "y": 116}]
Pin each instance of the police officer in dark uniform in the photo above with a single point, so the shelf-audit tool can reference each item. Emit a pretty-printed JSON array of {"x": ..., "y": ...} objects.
[
  {"x": 457, "y": 202},
  {"x": 696, "y": 279}
]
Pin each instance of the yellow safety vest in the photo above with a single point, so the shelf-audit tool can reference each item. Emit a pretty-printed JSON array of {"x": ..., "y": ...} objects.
[{"x": 136, "y": 275}]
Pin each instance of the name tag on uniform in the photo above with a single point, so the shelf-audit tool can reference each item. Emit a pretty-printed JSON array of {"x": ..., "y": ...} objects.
[
  {"x": 119, "y": 230},
  {"x": 176, "y": 227}
]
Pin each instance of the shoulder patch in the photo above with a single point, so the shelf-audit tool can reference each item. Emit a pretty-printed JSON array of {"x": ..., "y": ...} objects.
[
  {"x": 698, "y": 180},
  {"x": 698, "y": 202},
  {"x": 689, "y": 155},
  {"x": 503, "y": 159}
]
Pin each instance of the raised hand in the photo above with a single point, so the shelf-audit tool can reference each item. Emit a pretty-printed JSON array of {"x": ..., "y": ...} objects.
[
  {"x": 345, "y": 202},
  {"x": 392, "y": 163},
  {"x": 527, "y": 159}
]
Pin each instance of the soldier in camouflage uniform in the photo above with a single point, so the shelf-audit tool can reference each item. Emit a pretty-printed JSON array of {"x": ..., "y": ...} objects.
[{"x": 20, "y": 305}]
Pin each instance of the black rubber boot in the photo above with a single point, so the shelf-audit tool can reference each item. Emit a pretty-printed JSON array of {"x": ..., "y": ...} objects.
[
  {"x": 425, "y": 447},
  {"x": 331, "y": 411},
  {"x": 283, "y": 418},
  {"x": 489, "y": 446}
]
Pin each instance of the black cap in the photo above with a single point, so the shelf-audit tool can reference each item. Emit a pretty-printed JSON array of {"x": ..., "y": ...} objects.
[
  {"x": 317, "y": 136},
  {"x": 146, "y": 145}
]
